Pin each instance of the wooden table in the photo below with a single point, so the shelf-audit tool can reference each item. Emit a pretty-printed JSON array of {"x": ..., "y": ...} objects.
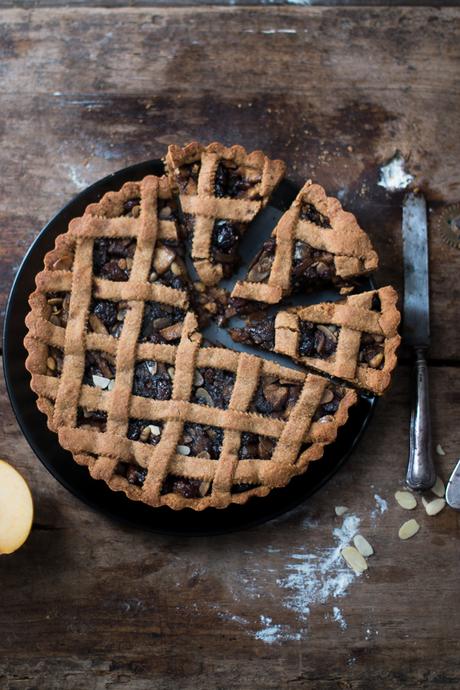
[{"x": 335, "y": 91}]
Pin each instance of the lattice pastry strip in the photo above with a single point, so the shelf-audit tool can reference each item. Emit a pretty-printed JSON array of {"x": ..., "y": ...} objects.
[
  {"x": 354, "y": 339},
  {"x": 315, "y": 243},
  {"x": 221, "y": 191}
]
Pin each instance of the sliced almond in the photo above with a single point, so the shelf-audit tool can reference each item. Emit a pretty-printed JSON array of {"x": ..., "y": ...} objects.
[
  {"x": 204, "y": 454},
  {"x": 204, "y": 488},
  {"x": 439, "y": 488},
  {"x": 100, "y": 381},
  {"x": 406, "y": 500},
  {"x": 152, "y": 277},
  {"x": 327, "y": 332},
  {"x": 198, "y": 380},
  {"x": 51, "y": 363},
  {"x": 145, "y": 434},
  {"x": 171, "y": 372},
  {"x": 183, "y": 450},
  {"x": 164, "y": 256},
  {"x": 328, "y": 396},
  {"x": 97, "y": 325},
  {"x": 354, "y": 559},
  {"x": 176, "y": 269},
  {"x": 152, "y": 367},
  {"x": 155, "y": 430},
  {"x": 55, "y": 301},
  {"x": 408, "y": 529},
  {"x": 433, "y": 507},
  {"x": 111, "y": 385},
  {"x": 340, "y": 510},
  {"x": 439, "y": 449},
  {"x": 172, "y": 332},
  {"x": 376, "y": 361},
  {"x": 165, "y": 213},
  {"x": 203, "y": 394},
  {"x": 122, "y": 264},
  {"x": 326, "y": 419},
  {"x": 363, "y": 546}
]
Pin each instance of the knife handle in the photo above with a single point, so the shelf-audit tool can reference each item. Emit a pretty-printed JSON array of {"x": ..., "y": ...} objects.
[{"x": 421, "y": 473}]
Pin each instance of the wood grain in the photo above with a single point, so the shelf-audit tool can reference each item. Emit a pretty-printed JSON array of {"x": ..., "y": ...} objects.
[
  {"x": 90, "y": 605},
  {"x": 335, "y": 92}
]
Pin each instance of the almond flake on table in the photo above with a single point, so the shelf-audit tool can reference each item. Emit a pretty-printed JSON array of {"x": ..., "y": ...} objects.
[
  {"x": 439, "y": 488},
  {"x": 433, "y": 507},
  {"x": 340, "y": 510},
  {"x": 408, "y": 529},
  {"x": 440, "y": 450},
  {"x": 363, "y": 546},
  {"x": 406, "y": 500},
  {"x": 354, "y": 559}
]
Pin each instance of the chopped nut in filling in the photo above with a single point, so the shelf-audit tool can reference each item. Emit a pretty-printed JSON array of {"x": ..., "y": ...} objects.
[
  {"x": 275, "y": 398},
  {"x": 231, "y": 182},
  {"x": 260, "y": 332},
  {"x": 87, "y": 419},
  {"x": 311, "y": 266},
  {"x": 168, "y": 267},
  {"x": 58, "y": 303},
  {"x": 259, "y": 269},
  {"x": 371, "y": 351},
  {"x": 212, "y": 387},
  {"x": 329, "y": 403},
  {"x": 201, "y": 440},
  {"x": 153, "y": 380},
  {"x": 186, "y": 487},
  {"x": 54, "y": 361},
  {"x": 133, "y": 473},
  {"x": 255, "y": 446},
  {"x": 106, "y": 317},
  {"x": 99, "y": 370},
  {"x": 113, "y": 258},
  {"x": 144, "y": 430},
  {"x": 317, "y": 340},
  {"x": 161, "y": 323}
]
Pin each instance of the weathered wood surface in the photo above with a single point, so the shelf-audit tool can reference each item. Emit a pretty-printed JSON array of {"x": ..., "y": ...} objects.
[
  {"x": 33, "y": 4},
  {"x": 335, "y": 92},
  {"x": 90, "y": 605}
]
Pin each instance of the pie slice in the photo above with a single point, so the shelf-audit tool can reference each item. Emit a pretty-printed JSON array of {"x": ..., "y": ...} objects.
[
  {"x": 125, "y": 380},
  {"x": 354, "y": 339},
  {"x": 315, "y": 244},
  {"x": 221, "y": 190}
]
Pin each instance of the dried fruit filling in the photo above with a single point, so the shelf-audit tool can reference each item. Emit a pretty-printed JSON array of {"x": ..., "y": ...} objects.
[
  {"x": 259, "y": 269},
  {"x": 153, "y": 380},
  {"x": 329, "y": 404},
  {"x": 230, "y": 182},
  {"x": 58, "y": 304},
  {"x": 201, "y": 440},
  {"x": 317, "y": 340},
  {"x": 261, "y": 333},
  {"x": 213, "y": 387},
  {"x": 91, "y": 419},
  {"x": 107, "y": 317},
  {"x": 255, "y": 446},
  {"x": 371, "y": 350},
  {"x": 145, "y": 431},
  {"x": 113, "y": 258},
  {"x": 275, "y": 398},
  {"x": 310, "y": 212},
  {"x": 310, "y": 266},
  {"x": 226, "y": 235},
  {"x": 99, "y": 369},
  {"x": 168, "y": 266},
  {"x": 161, "y": 323}
]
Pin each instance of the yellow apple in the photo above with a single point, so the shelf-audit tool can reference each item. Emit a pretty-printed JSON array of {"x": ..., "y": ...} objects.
[{"x": 16, "y": 509}]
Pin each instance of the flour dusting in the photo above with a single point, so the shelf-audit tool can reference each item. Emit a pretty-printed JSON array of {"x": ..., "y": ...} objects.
[
  {"x": 271, "y": 633},
  {"x": 393, "y": 175},
  {"x": 338, "y": 617},
  {"x": 314, "y": 578}
]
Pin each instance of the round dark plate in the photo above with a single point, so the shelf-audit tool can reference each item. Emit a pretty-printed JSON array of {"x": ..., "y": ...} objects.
[{"x": 75, "y": 478}]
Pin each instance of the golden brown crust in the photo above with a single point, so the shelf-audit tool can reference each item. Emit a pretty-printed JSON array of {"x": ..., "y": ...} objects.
[
  {"x": 201, "y": 203},
  {"x": 354, "y": 316},
  {"x": 68, "y": 268},
  {"x": 350, "y": 246}
]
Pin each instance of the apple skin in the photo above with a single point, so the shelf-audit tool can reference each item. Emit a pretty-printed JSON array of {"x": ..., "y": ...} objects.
[{"x": 16, "y": 509}]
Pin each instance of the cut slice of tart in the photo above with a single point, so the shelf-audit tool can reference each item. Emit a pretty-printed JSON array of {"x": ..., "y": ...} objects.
[
  {"x": 221, "y": 190},
  {"x": 315, "y": 244},
  {"x": 354, "y": 339}
]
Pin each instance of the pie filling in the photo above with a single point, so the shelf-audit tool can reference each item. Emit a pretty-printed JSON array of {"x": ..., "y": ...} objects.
[
  {"x": 371, "y": 351},
  {"x": 161, "y": 323},
  {"x": 315, "y": 340},
  {"x": 212, "y": 387},
  {"x": 275, "y": 398},
  {"x": 113, "y": 258},
  {"x": 310, "y": 212},
  {"x": 153, "y": 380},
  {"x": 99, "y": 370}
]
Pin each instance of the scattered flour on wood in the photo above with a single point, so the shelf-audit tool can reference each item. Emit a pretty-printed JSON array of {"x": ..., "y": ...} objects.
[
  {"x": 381, "y": 507},
  {"x": 338, "y": 617},
  {"x": 393, "y": 175}
]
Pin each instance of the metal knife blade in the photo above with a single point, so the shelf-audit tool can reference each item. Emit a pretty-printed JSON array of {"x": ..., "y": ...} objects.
[
  {"x": 453, "y": 488},
  {"x": 416, "y": 322}
]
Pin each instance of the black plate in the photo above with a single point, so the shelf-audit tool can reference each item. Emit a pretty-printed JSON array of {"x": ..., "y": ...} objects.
[{"x": 77, "y": 479}]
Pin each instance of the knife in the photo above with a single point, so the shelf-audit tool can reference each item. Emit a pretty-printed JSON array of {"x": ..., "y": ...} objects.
[
  {"x": 453, "y": 488},
  {"x": 421, "y": 474}
]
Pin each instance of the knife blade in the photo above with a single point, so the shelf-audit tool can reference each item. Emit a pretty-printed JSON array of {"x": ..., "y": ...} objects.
[
  {"x": 453, "y": 488},
  {"x": 416, "y": 323},
  {"x": 421, "y": 473}
]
